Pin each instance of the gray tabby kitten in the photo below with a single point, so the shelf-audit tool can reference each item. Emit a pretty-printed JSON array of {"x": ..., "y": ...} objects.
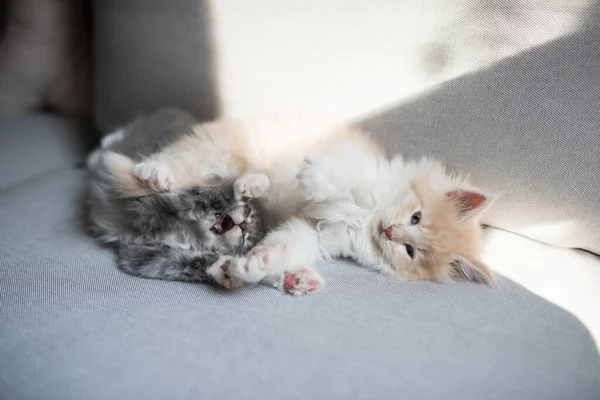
[{"x": 186, "y": 235}]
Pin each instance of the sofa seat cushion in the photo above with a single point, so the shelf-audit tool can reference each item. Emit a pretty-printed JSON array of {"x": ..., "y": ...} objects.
[
  {"x": 73, "y": 326},
  {"x": 566, "y": 277},
  {"x": 36, "y": 144}
]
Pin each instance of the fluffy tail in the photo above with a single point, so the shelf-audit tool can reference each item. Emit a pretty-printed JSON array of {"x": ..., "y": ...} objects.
[{"x": 117, "y": 171}]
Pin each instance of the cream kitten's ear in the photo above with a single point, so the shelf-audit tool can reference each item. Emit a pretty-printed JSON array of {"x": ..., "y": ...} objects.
[
  {"x": 468, "y": 203},
  {"x": 472, "y": 270}
]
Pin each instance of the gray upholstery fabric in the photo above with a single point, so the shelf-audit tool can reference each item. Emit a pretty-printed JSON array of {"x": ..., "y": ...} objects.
[
  {"x": 150, "y": 54},
  {"x": 528, "y": 129},
  {"x": 74, "y": 327},
  {"x": 34, "y": 145}
]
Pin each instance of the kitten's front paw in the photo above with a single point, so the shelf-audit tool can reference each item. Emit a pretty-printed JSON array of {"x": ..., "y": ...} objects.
[
  {"x": 221, "y": 270},
  {"x": 260, "y": 262},
  {"x": 155, "y": 174},
  {"x": 313, "y": 179},
  {"x": 250, "y": 186},
  {"x": 302, "y": 281}
]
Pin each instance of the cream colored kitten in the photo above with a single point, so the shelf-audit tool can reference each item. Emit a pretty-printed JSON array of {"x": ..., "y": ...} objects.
[{"x": 331, "y": 193}]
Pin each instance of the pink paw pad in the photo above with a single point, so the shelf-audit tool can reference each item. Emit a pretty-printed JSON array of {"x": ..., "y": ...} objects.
[
  {"x": 290, "y": 280},
  {"x": 304, "y": 280}
]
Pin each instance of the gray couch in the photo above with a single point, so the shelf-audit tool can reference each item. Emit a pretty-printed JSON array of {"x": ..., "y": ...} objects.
[{"x": 73, "y": 326}]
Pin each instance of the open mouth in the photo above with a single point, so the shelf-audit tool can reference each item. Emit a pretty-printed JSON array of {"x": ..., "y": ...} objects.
[{"x": 225, "y": 223}]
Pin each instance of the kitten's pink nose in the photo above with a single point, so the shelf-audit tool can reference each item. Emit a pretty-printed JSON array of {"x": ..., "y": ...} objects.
[{"x": 389, "y": 231}]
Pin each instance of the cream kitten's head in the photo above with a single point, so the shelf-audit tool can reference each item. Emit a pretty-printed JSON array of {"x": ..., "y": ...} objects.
[{"x": 432, "y": 231}]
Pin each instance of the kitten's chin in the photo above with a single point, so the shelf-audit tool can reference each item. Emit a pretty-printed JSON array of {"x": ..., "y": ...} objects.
[{"x": 387, "y": 254}]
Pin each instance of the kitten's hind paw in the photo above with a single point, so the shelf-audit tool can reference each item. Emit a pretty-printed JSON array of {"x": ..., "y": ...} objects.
[
  {"x": 250, "y": 185},
  {"x": 220, "y": 271},
  {"x": 155, "y": 174},
  {"x": 302, "y": 281},
  {"x": 260, "y": 262},
  {"x": 296, "y": 281}
]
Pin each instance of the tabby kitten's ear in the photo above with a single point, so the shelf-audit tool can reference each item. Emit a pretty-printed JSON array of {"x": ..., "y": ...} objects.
[
  {"x": 471, "y": 270},
  {"x": 468, "y": 203}
]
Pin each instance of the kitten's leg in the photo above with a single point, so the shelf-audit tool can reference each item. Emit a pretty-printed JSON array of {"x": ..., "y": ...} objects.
[
  {"x": 156, "y": 174},
  {"x": 349, "y": 165},
  {"x": 185, "y": 163},
  {"x": 179, "y": 166},
  {"x": 129, "y": 179},
  {"x": 161, "y": 262},
  {"x": 293, "y": 244},
  {"x": 285, "y": 259},
  {"x": 250, "y": 185}
]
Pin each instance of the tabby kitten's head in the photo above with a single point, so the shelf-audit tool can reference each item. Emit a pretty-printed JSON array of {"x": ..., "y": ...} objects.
[
  {"x": 234, "y": 230},
  {"x": 202, "y": 218}
]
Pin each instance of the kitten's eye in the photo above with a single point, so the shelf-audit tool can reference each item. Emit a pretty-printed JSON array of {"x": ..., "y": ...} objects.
[
  {"x": 409, "y": 250},
  {"x": 416, "y": 218}
]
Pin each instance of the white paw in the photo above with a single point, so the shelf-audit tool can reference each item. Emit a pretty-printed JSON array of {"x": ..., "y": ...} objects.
[
  {"x": 220, "y": 271},
  {"x": 260, "y": 262},
  {"x": 156, "y": 175},
  {"x": 250, "y": 185},
  {"x": 302, "y": 281},
  {"x": 313, "y": 179}
]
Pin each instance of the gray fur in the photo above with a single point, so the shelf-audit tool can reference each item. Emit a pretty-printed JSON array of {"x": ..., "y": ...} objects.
[
  {"x": 172, "y": 235},
  {"x": 163, "y": 262},
  {"x": 150, "y": 133}
]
